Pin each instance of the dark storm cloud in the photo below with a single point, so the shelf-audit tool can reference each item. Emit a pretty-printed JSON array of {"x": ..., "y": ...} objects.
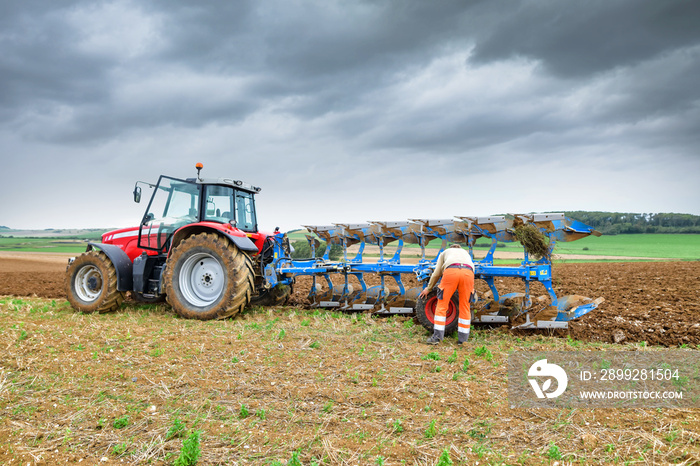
[
  {"x": 577, "y": 39},
  {"x": 38, "y": 63},
  {"x": 310, "y": 39},
  {"x": 322, "y": 55},
  {"x": 362, "y": 72}
]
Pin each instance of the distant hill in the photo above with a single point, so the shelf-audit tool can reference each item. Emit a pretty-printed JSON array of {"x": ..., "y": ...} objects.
[
  {"x": 3, "y": 228},
  {"x": 55, "y": 233}
]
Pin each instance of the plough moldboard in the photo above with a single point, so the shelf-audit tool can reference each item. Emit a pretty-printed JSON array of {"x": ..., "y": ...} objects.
[{"x": 518, "y": 309}]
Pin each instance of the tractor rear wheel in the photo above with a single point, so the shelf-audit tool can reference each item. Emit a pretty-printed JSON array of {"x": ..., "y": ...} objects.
[
  {"x": 425, "y": 312},
  {"x": 208, "y": 277},
  {"x": 91, "y": 283}
]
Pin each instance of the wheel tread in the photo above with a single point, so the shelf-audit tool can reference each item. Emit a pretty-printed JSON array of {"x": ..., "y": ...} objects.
[
  {"x": 111, "y": 299},
  {"x": 239, "y": 270},
  {"x": 422, "y": 317}
]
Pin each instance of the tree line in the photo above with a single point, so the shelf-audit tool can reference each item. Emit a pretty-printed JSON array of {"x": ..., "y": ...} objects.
[{"x": 612, "y": 223}]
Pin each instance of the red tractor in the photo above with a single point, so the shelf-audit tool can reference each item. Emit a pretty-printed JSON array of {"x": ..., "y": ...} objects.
[{"x": 198, "y": 246}]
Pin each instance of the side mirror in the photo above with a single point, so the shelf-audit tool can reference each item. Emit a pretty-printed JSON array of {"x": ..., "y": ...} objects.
[{"x": 137, "y": 194}]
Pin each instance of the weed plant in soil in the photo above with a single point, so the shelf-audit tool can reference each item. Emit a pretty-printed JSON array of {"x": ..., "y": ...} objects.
[{"x": 317, "y": 387}]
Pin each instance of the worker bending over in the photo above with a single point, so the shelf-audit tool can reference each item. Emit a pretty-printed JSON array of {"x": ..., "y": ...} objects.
[{"x": 456, "y": 268}]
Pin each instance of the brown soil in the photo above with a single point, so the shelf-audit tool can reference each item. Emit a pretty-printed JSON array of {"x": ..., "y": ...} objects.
[
  {"x": 655, "y": 302},
  {"x": 32, "y": 274}
]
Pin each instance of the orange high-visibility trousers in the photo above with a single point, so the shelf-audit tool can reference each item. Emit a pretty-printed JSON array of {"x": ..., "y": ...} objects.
[{"x": 462, "y": 281}]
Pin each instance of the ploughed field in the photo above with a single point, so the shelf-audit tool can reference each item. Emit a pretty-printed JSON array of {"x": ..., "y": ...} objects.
[{"x": 656, "y": 302}]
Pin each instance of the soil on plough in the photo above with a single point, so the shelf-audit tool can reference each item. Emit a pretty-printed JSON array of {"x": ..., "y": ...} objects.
[
  {"x": 533, "y": 240},
  {"x": 655, "y": 302}
]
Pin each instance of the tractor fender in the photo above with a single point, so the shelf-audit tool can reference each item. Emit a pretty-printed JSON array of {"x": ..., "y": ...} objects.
[
  {"x": 242, "y": 242},
  {"x": 121, "y": 262}
]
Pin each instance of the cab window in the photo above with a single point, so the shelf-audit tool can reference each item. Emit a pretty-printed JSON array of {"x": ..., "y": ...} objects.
[
  {"x": 245, "y": 211},
  {"x": 175, "y": 203},
  {"x": 219, "y": 206}
]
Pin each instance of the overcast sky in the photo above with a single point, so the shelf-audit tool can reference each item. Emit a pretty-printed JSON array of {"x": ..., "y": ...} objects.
[{"x": 348, "y": 111}]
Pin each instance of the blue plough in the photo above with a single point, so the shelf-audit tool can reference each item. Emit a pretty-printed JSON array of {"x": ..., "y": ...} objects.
[{"x": 517, "y": 309}]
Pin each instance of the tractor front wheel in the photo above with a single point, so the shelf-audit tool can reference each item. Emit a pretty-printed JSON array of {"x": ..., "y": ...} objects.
[
  {"x": 208, "y": 277},
  {"x": 91, "y": 283},
  {"x": 425, "y": 312}
]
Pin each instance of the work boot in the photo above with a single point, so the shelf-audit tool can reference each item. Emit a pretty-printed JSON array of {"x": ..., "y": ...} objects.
[
  {"x": 462, "y": 337},
  {"x": 437, "y": 337}
]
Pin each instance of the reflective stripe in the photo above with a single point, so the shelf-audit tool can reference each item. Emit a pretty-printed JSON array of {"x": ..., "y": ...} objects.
[
  {"x": 465, "y": 321},
  {"x": 126, "y": 234},
  {"x": 439, "y": 327},
  {"x": 442, "y": 319},
  {"x": 463, "y": 330}
]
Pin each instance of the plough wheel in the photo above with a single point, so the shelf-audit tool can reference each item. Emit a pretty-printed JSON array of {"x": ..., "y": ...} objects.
[
  {"x": 425, "y": 312},
  {"x": 91, "y": 283},
  {"x": 208, "y": 277}
]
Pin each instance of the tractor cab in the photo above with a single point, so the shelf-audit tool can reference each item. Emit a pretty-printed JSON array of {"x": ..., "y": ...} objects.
[{"x": 176, "y": 203}]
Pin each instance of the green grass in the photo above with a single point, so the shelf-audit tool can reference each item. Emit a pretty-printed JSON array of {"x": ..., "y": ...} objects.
[
  {"x": 121, "y": 422},
  {"x": 672, "y": 246},
  {"x": 62, "y": 244},
  {"x": 643, "y": 245},
  {"x": 298, "y": 235},
  {"x": 177, "y": 429},
  {"x": 191, "y": 450}
]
